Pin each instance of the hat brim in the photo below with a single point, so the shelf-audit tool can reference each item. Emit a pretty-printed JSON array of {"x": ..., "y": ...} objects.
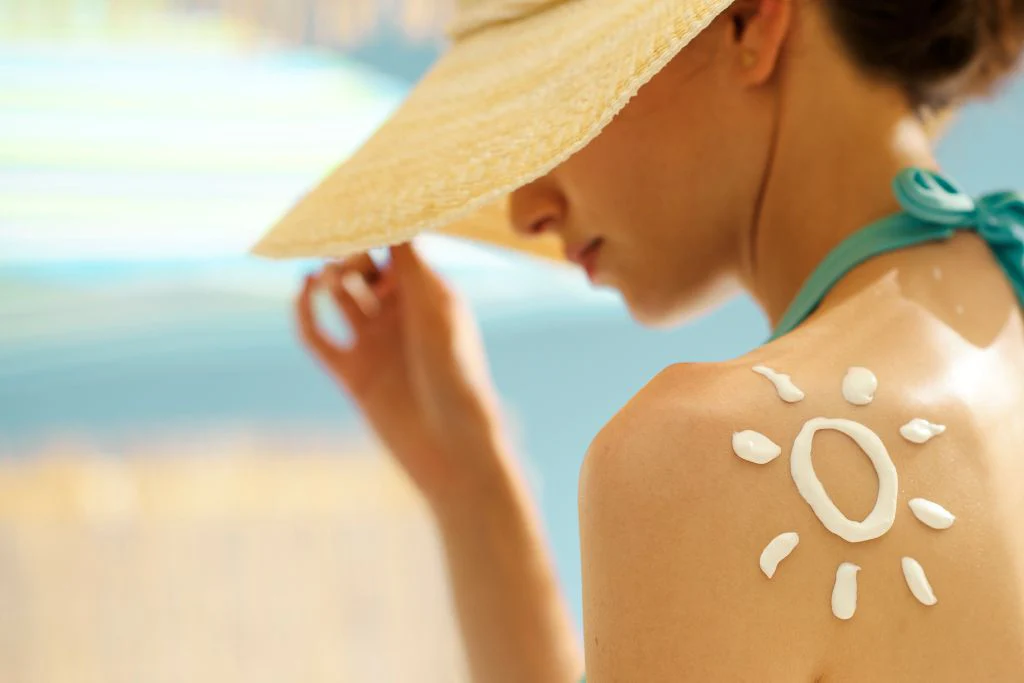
[{"x": 498, "y": 110}]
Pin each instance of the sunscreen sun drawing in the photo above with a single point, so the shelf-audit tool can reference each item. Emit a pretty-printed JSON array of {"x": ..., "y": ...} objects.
[{"x": 859, "y": 386}]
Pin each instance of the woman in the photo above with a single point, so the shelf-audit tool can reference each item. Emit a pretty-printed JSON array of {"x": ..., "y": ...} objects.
[{"x": 761, "y": 155}]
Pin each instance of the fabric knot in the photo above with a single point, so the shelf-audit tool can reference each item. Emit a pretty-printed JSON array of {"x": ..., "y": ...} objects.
[
  {"x": 998, "y": 218},
  {"x": 933, "y": 198},
  {"x": 934, "y": 209}
]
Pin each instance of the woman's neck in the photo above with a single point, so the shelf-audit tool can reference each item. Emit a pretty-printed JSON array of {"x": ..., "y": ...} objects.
[
  {"x": 818, "y": 194},
  {"x": 836, "y": 152}
]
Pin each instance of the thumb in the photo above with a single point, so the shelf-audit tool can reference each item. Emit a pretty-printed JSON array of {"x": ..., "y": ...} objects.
[
  {"x": 420, "y": 285},
  {"x": 406, "y": 261},
  {"x": 426, "y": 297}
]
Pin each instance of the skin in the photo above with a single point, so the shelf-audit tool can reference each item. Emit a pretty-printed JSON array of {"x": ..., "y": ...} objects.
[{"x": 790, "y": 149}]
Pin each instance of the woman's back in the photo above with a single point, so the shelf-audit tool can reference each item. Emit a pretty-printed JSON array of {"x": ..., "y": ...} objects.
[{"x": 943, "y": 347}]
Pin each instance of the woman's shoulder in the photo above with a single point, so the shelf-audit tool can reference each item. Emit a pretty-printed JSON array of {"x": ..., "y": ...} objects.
[
  {"x": 685, "y": 409},
  {"x": 690, "y": 411},
  {"x": 671, "y": 526},
  {"x": 694, "y": 478},
  {"x": 678, "y": 432},
  {"x": 673, "y": 441}
]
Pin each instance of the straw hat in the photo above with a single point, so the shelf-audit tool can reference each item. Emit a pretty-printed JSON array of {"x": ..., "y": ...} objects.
[{"x": 524, "y": 85}]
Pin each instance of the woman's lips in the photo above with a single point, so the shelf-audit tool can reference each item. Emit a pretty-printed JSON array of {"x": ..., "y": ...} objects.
[{"x": 584, "y": 254}]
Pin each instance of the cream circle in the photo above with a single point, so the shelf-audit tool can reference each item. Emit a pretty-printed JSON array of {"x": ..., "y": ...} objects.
[{"x": 882, "y": 516}]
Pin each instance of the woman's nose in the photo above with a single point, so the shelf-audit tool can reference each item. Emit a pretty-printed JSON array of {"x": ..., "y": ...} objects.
[{"x": 536, "y": 208}]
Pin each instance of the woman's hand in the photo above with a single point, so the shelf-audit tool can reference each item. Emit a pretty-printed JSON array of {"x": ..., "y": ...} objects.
[{"x": 415, "y": 367}]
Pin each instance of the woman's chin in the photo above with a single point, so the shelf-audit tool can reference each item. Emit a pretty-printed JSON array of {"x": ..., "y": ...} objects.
[
  {"x": 671, "y": 310},
  {"x": 650, "y": 311}
]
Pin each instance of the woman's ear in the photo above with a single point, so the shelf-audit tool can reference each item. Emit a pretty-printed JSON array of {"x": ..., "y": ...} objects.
[{"x": 759, "y": 31}]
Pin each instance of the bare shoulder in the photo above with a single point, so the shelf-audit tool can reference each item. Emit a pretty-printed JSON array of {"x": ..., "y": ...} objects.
[
  {"x": 685, "y": 410},
  {"x": 672, "y": 525},
  {"x": 676, "y": 430},
  {"x": 674, "y": 517}
]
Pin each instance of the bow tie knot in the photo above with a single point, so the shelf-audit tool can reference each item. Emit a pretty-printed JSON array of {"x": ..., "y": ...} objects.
[
  {"x": 934, "y": 209},
  {"x": 998, "y": 218},
  {"x": 935, "y": 199}
]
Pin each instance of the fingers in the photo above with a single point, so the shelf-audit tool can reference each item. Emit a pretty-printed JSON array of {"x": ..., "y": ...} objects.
[
  {"x": 351, "y": 284},
  {"x": 420, "y": 285},
  {"x": 433, "y": 314},
  {"x": 403, "y": 253},
  {"x": 314, "y": 338},
  {"x": 406, "y": 260},
  {"x": 361, "y": 264},
  {"x": 357, "y": 287}
]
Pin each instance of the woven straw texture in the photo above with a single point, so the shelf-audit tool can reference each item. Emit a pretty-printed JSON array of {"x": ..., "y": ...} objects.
[{"x": 501, "y": 108}]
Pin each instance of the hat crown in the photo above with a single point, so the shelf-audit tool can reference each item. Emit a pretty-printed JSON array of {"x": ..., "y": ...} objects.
[{"x": 472, "y": 16}]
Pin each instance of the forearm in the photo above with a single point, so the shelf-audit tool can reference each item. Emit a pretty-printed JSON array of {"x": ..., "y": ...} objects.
[{"x": 514, "y": 622}]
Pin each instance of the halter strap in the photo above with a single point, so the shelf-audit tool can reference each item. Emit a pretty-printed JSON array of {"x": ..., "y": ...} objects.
[{"x": 934, "y": 208}]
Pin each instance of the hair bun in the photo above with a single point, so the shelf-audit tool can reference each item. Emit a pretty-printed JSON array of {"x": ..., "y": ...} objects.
[
  {"x": 1001, "y": 24},
  {"x": 938, "y": 51}
]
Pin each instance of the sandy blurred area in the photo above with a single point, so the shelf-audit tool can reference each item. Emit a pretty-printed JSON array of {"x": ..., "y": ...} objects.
[{"x": 241, "y": 567}]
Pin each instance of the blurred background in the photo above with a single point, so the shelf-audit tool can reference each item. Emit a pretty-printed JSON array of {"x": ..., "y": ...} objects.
[{"x": 183, "y": 495}]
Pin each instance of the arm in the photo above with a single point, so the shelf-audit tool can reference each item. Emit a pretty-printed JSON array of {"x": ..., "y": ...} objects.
[
  {"x": 513, "y": 620},
  {"x": 415, "y": 367}
]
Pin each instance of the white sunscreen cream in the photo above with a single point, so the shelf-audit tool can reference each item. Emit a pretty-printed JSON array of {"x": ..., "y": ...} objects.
[
  {"x": 777, "y": 550},
  {"x": 931, "y": 514},
  {"x": 882, "y": 516},
  {"x": 918, "y": 582},
  {"x": 787, "y": 391},
  {"x": 755, "y": 447},
  {"x": 920, "y": 431},
  {"x": 844, "y": 592},
  {"x": 859, "y": 386}
]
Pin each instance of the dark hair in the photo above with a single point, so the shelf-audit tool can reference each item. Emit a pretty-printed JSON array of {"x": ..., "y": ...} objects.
[{"x": 938, "y": 51}]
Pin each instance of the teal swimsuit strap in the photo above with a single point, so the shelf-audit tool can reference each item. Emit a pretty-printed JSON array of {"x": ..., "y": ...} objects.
[{"x": 934, "y": 208}]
